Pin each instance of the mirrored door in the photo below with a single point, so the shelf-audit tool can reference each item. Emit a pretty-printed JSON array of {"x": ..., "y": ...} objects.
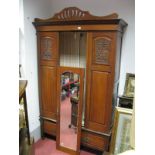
[{"x": 70, "y": 95}]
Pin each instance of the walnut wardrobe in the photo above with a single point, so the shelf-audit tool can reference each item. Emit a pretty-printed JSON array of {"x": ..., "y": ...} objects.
[{"x": 75, "y": 38}]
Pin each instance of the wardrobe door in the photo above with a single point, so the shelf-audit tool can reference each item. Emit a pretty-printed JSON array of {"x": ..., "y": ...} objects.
[
  {"x": 47, "y": 64},
  {"x": 100, "y": 73}
]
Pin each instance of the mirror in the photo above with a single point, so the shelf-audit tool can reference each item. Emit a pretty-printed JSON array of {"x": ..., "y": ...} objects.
[{"x": 70, "y": 88}]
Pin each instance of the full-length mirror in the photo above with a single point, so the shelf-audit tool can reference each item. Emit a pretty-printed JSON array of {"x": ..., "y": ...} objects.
[
  {"x": 72, "y": 52},
  {"x": 70, "y": 109}
]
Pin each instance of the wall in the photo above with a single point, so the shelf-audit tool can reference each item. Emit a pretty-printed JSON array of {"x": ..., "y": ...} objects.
[
  {"x": 126, "y": 11},
  {"x": 32, "y": 9}
]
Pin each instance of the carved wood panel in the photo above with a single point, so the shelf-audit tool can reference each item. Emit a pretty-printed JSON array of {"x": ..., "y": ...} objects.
[
  {"x": 48, "y": 48},
  {"x": 102, "y": 47},
  {"x": 73, "y": 14},
  {"x": 70, "y": 14}
]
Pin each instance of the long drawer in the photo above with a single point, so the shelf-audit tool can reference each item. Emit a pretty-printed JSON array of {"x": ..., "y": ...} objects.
[{"x": 94, "y": 141}]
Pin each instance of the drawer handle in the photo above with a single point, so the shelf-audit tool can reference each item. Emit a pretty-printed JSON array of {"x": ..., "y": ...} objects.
[{"x": 86, "y": 140}]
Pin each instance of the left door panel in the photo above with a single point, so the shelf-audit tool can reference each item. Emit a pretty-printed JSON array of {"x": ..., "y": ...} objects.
[
  {"x": 47, "y": 68},
  {"x": 48, "y": 91}
]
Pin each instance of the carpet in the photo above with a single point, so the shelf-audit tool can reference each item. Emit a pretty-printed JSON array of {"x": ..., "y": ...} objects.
[{"x": 48, "y": 147}]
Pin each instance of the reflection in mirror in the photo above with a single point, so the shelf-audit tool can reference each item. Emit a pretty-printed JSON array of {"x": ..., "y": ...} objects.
[
  {"x": 73, "y": 54},
  {"x": 69, "y": 109}
]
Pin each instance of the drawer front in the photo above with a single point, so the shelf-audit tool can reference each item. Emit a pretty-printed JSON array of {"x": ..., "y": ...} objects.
[
  {"x": 49, "y": 128},
  {"x": 95, "y": 141}
]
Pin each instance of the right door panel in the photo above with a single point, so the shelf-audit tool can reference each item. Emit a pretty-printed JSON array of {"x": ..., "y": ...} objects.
[
  {"x": 99, "y": 94},
  {"x": 99, "y": 104},
  {"x": 100, "y": 73}
]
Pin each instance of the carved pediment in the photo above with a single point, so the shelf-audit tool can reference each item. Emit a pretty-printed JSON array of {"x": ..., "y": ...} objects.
[{"x": 75, "y": 14}]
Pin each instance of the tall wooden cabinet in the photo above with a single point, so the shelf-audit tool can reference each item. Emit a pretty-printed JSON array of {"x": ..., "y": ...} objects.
[{"x": 103, "y": 52}]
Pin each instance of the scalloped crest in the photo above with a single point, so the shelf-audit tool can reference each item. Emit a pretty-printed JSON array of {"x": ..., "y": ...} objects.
[{"x": 74, "y": 14}]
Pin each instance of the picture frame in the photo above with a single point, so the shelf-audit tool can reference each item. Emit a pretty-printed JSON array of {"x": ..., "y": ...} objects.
[
  {"x": 120, "y": 141},
  {"x": 129, "y": 89}
]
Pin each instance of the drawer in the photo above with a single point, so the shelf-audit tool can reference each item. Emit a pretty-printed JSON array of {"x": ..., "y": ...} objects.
[
  {"x": 94, "y": 141},
  {"x": 50, "y": 128}
]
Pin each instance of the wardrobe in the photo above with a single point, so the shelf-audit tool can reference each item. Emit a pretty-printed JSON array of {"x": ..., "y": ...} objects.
[{"x": 75, "y": 38}]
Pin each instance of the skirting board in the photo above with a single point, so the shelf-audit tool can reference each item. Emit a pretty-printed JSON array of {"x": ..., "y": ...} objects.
[{"x": 36, "y": 134}]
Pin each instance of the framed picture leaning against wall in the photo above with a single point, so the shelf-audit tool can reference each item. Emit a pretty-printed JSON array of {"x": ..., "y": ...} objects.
[
  {"x": 120, "y": 141},
  {"x": 129, "y": 88}
]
